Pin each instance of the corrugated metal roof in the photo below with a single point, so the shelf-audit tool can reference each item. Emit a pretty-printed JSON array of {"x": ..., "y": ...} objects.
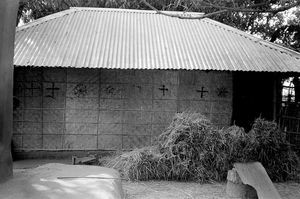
[{"x": 139, "y": 39}]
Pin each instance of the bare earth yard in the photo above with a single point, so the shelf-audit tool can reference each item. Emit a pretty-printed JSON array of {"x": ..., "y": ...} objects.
[
  {"x": 168, "y": 189},
  {"x": 183, "y": 190}
]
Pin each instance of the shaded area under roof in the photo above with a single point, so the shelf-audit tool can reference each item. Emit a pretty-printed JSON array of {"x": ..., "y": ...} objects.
[{"x": 139, "y": 39}]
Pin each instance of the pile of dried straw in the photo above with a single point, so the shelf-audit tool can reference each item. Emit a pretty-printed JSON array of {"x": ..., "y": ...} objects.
[{"x": 192, "y": 148}]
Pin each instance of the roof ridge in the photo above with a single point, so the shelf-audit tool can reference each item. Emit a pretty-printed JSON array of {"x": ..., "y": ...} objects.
[
  {"x": 47, "y": 18},
  {"x": 261, "y": 41},
  {"x": 129, "y": 10},
  {"x": 77, "y": 9}
]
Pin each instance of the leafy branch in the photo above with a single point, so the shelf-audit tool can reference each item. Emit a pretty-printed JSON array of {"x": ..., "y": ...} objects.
[{"x": 223, "y": 9}]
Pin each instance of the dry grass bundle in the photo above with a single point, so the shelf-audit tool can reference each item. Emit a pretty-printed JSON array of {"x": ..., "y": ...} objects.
[
  {"x": 138, "y": 164},
  {"x": 268, "y": 145},
  {"x": 192, "y": 148}
]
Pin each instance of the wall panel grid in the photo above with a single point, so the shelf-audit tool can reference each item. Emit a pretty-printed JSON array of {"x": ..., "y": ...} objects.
[{"x": 82, "y": 109}]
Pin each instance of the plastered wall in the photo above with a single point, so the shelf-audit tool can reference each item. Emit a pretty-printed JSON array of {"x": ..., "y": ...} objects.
[{"x": 89, "y": 109}]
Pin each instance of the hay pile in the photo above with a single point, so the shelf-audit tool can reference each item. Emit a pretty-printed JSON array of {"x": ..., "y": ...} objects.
[
  {"x": 268, "y": 145},
  {"x": 193, "y": 149}
]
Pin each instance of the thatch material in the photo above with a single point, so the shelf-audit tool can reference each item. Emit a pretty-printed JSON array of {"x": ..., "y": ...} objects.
[
  {"x": 138, "y": 164},
  {"x": 268, "y": 145},
  {"x": 192, "y": 148}
]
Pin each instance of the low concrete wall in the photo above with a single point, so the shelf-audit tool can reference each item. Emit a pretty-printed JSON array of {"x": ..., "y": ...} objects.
[{"x": 90, "y": 109}]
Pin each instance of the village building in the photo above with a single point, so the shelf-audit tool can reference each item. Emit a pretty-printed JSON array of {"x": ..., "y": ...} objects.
[{"x": 112, "y": 79}]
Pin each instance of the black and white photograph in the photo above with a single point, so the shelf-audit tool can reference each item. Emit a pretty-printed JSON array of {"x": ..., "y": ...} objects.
[{"x": 150, "y": 99}]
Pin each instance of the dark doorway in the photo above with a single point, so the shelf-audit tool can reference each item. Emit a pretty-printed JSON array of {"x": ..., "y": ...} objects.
[{"x": 252, "y": 97}]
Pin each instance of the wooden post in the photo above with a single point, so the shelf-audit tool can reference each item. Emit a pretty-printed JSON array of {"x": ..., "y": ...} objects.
[
  {"x": 8, "y": 17},
  {"x": 275, "y": 96}
]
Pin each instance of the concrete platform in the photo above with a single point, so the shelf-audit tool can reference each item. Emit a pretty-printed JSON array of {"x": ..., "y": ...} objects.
[
  {"x": 91, "y": 182},
  {"x": 33, "y": 163}
]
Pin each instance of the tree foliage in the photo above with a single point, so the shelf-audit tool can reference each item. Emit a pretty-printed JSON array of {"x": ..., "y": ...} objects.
[{"x": 265, "y": 18}]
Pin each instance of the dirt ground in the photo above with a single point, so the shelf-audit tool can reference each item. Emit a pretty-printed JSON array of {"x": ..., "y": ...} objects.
[
  {"x": 171, "y": 189},
  {"x": 183, "y": 190}
]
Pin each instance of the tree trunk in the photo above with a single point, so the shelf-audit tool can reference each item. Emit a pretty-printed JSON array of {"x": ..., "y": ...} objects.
[{"x": 8, "y": 16}]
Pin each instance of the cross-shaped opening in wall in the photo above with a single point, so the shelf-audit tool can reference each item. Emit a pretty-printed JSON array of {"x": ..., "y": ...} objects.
[
  {"x": 202, "y": 91},
  {"x": 163, "y": 89},
  {"x": 32, "y": 88},
  {"x": 52, "y": 89}
]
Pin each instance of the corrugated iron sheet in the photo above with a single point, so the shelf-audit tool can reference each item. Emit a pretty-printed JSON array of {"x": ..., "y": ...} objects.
[{"x": 135, "y": 39}]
